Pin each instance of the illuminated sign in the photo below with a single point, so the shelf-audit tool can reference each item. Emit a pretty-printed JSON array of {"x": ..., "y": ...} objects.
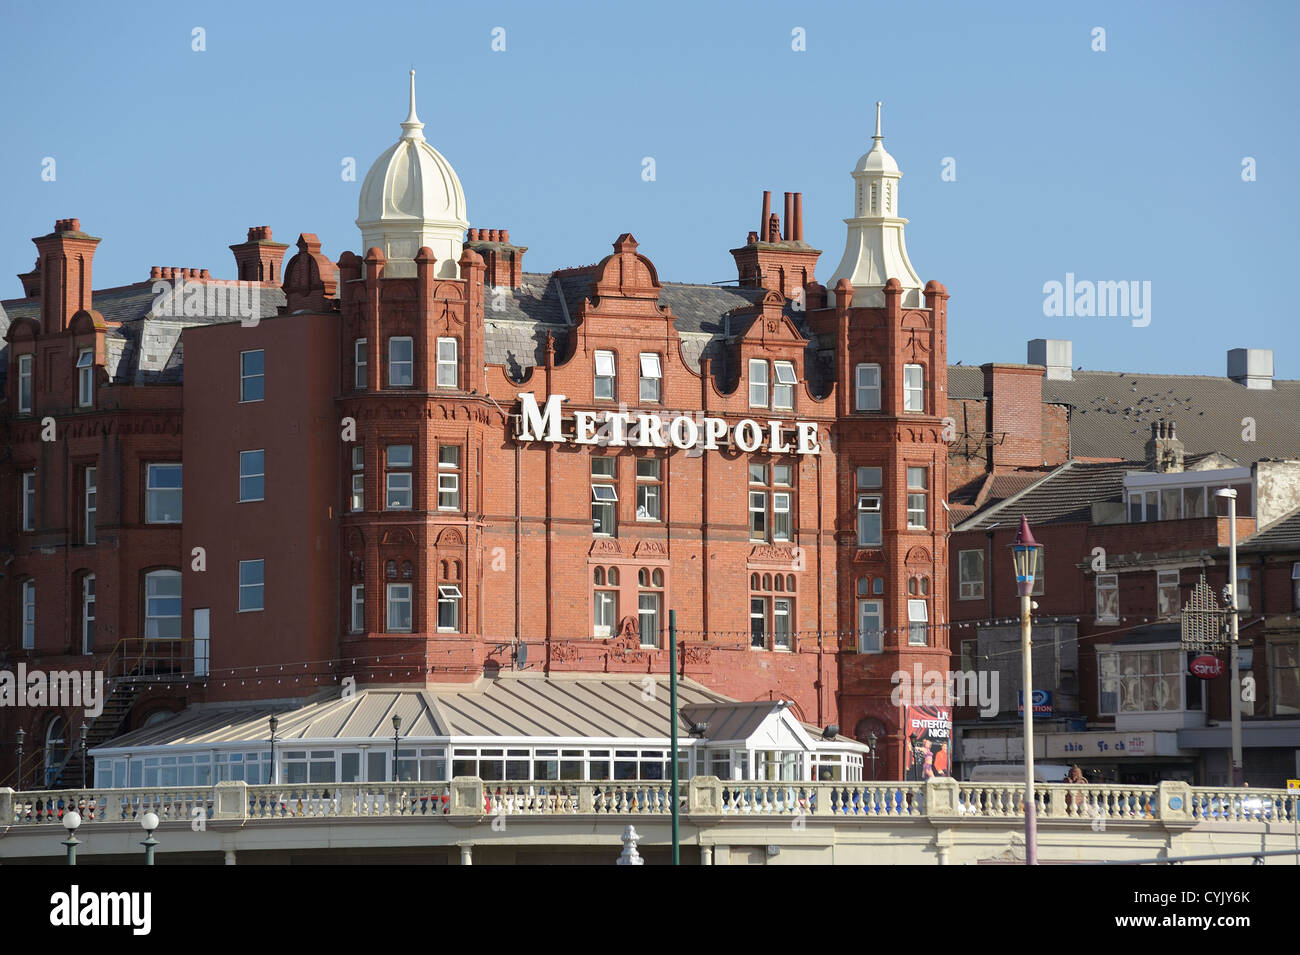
[{"x": 618, "y": 429}]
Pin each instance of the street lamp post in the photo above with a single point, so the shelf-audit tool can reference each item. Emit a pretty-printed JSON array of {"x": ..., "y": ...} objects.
[
  {"x": 84, "y": 729},
  {"x": 1027, "y": 555},
  {"x": 397, "y": 730},
  {"x": 20, "y": 736},
  {"x": 1238, "y": 770},
  {"x": 270, "y": 770},
  {"x": 72, "y": 822},
  {"x": 149, "y": 822},
  {"x": 871, "y": 745}
]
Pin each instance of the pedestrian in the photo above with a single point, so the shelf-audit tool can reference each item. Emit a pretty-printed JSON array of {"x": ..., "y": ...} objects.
[{"x": 1075, "y": 799}]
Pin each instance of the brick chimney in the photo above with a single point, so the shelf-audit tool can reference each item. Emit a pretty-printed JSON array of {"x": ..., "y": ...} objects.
[
  {"x": 258, "y": 259},
  {"x": 1015, "y": 414},
  {"x": 779, "y": 261},
  {"x": 66, "y": 256},
  {"x": 1164, "y": 452},
  {"x": 503, "y": 261}
]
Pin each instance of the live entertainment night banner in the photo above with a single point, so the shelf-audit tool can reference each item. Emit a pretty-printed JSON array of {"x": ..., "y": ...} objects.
[{"x": 929, "y": 735}]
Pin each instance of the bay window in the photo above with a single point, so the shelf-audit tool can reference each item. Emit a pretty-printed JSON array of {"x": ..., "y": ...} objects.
[
  {"x": 401, "y": 362},
  {"x": 918, "y": 617},
  {"x": 918, "y": 498},
  {"x": 913, "y": 388},
  {"x": 867, "y": 387},
  {"x": 448, "y": 363},
  {"x": 449, "y": 608},
  {"x": 399, "y": 608},
  {"x": 397, "y": 478}
]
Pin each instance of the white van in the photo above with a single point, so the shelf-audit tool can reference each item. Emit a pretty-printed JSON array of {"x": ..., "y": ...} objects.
[{"x": 1015, "y": 773}]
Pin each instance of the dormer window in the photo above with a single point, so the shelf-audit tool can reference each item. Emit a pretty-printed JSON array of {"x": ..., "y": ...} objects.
[
  {"x": 24, "y": 383},
  {"x": 85, "y": 378},
  {"x": 783, "y": 391}
]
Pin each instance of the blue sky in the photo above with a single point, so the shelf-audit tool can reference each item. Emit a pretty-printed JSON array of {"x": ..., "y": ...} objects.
[{"x": 1116, "y": 165}]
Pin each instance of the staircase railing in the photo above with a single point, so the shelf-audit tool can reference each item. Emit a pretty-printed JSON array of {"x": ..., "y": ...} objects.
[{"x": 151, "y": 658}]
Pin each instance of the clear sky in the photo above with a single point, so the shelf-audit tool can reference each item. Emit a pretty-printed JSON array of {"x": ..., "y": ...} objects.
[{"x": 1122, "y": 165}]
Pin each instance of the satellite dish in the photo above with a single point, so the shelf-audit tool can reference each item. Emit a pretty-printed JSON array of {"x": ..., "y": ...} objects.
[{"x": 521, "y": 656}]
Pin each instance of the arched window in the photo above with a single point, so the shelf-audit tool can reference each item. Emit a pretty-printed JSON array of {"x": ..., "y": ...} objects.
[
  {"x": 753, "y": 582},
  {"x": 599, "y": 576},
  {"x": 767, "y": 581},
  {"x": 658, "y": 578},
  {"x": 789, "y": 582},
  {"x": 613, "y": 576},
  {"x": 56, "y": 749},
  {"x": 407, "y": 570},
  {"x": 643, "y": 577},
  {"x": 390, "y": 570}
]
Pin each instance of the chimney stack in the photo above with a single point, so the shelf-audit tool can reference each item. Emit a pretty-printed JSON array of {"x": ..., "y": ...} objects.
[
  {"x": 503, "y": 262},
  {"x": 767, "y": 213},
  {"x": 1164, "y": 452},
  {"x": 798, "y": 216},
  {"x": 258, "y": 259},
  {"x": 789, "y": 215},
  {"x": 1055, "y": 355},
  {"x": 1252, "y": 367},
  {"x": 66, "y": 257}
]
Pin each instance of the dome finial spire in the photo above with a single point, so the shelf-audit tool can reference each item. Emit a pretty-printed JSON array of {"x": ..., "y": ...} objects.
[
  {"x": 411, "y": 128},
  {"x": 879, "y": 107}
]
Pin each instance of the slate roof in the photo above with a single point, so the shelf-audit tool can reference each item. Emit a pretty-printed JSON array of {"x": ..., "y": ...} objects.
[
  {"x": 142, "y": 348},
  {"x": 1064, "y": 496},
  {"x": 1113, "y": 411},
  {"x": 1283, "y": 534},
  {"x": 706, "y": 320}
]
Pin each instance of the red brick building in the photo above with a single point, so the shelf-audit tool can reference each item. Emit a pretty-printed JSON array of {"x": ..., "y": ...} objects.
[
  {"x": 1124, "y": 503},
  {"x": 366, "y": 470}
]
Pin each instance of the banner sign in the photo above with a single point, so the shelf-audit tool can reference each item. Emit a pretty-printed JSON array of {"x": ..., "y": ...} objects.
[{"x": 929, "y": 734}]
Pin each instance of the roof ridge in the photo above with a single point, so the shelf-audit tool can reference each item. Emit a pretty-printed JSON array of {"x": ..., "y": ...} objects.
[{"x": 1007, "y": 501}]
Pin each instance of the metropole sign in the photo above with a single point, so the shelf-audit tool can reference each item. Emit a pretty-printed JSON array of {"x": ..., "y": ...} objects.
[{"x": 617, "y": 429}]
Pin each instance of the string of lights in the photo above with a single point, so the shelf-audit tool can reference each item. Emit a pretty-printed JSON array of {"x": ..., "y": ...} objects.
[{"x": 393, "y": 666}]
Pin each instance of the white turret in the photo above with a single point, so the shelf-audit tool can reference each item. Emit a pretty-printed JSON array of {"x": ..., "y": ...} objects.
[
  {"x": 875, "y": 250},
  {"x": 411, "y": 197}
]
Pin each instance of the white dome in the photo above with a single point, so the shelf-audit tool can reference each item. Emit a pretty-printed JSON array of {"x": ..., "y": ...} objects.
[
  {"x": 412, "y": 197},
  {"x": 875, "y": 249},
  {"x": 876, "y": 159}
]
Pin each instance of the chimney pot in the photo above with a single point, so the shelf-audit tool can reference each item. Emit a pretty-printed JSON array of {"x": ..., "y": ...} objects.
[
  {"x": 505, "y": 236},
  {"x": 789, "y": 216}
]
